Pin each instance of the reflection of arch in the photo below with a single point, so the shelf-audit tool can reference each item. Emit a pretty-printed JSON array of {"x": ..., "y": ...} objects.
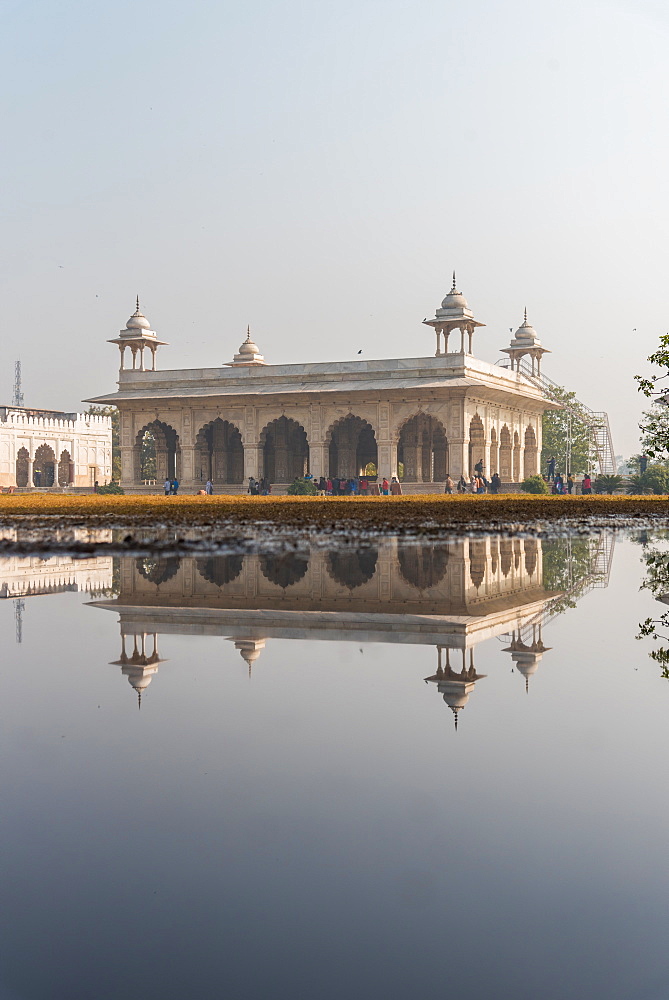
[
  {"x": 477, "y": 560},
  {"x": 530, "y": 453},
  {"x": 505, "y": 555},
  {"x": 22, "y": 466},
  {"x": 44, "y": 466},
  {"x": 352, "y": 447},
  {"x": 158, "y": 570},
  {"x": 516, "y": 554},
  {"x": 352, "y": 568},
  {"x": 494, "y": 555},
  {"x": 65, "y": 469},
  {"x": 530, "y": 556},
  {"x": 476, "y": 443},
  {"x": 285, "y": 450},
  {"x": 219, "y": 453},
  {"x": 423, "y": 566},
  {"x": 220, "y": 570},
  {"x": 284, "y": 570},
  {"x": 494, "y": 452},
  {"x": 156, "y": 452},
  {"x": 505, "y": 454},
  {"x": 422, "y": 449}
]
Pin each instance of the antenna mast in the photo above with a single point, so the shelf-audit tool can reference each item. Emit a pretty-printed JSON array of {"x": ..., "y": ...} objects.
[{"x": 17, "y": 399}]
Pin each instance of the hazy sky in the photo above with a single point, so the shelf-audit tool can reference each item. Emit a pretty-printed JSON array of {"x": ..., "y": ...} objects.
[{"x": 318, "y": 169}]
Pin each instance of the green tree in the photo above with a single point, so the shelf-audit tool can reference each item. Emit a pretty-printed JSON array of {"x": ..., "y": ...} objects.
[
  {"x": 534, "y": 484},
  {"x": 555, "y": 432},
  {"x": 302, "y": 487},
  {"x": 111, "y": 411},
  {"x": 654, "y": 429}
]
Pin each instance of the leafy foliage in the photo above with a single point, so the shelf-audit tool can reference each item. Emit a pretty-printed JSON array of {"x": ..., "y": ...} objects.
[
  {"x": 302, "y": 487},
  {"x": 653, "y": 480},
  {"x": 608, "y": 484},
  {"x": 534, "y": 484},
  {"x": 654, "y": 429},
  {"x": 111, "y": 488},
  {"x": 555, "y": 432}
]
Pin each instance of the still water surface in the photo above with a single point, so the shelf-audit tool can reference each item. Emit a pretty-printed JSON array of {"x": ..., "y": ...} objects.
[{"x": 386, "y": 771}]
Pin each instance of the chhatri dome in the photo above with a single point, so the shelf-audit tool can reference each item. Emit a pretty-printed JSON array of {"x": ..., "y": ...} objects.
[
  {"x": 138, "y": 321},
  {"x": 454, "y": 314},
  {"x": 525, "y": 342},
  {"x": 248, "y": 353}
]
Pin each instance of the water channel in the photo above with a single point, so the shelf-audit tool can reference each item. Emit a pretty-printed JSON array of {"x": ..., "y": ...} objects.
[{"x": 378, "y": 769}]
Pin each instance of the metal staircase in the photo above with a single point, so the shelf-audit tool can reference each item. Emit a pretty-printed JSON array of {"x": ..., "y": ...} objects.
[{"x": 596, "y": 421}]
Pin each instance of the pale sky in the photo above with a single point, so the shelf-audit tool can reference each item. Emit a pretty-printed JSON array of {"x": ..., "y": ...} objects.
[{"x": 318, "y": 169}]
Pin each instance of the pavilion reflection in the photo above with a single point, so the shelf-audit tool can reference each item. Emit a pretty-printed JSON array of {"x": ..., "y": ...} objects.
[{"x": 452, "y": 596}]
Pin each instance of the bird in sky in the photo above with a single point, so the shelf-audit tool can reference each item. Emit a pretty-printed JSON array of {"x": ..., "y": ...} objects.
[{"x": 360, "y": 351}]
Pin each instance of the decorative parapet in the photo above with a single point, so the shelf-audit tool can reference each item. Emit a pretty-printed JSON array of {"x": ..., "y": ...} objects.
[{"x": 76, "y": 422}]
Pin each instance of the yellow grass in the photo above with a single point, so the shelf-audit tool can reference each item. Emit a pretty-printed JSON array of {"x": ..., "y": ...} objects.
[{"x": 401, "y": 511}]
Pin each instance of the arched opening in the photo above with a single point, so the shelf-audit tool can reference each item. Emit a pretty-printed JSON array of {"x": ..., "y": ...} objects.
[
  {"x": 219, "y": 453},
  {"x": 516, "y": 457},
  {"x": 352, "y": 447},
  {"x": 157, "y": 452},
  {"x": 284, "y": 570},
  {"x": 477, "y": 560},
  {"x": 423, "y": 566},
  {"x": 220, "y": 570},
  {"x": 530, "y": 453},
  {"x": 158, "y": 571},
  {"x": 22, "y": 467},
  {"x": 494, "y": 452},
  {"x": 505, "y": 454},
  {"x": 476, "y": 444},
  {"x": 65, "y": 469},
  {"x": 422, "y": 450},
  {"x": 285, "y": 450},
  {"x": 352, "y": 569},
  {"x": 44, "y": 466}
]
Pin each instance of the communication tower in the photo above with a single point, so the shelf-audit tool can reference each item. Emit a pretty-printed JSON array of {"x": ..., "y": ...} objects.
[{"x": 18, "y": 390}]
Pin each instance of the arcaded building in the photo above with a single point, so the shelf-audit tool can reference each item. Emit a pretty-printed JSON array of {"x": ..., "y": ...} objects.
[
  {"x": 49, "y": 448},
  {"x": 419, "y": 419}
]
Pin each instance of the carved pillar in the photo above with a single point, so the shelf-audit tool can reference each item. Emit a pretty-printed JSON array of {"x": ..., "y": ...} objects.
[
  {"x": 318, "y": 459},
  {"x": 458, "y": 457},
  {"x": 187, "y": 464},
  {"x": 252, "y": 460},
  {"x": 387, "y": 465}
]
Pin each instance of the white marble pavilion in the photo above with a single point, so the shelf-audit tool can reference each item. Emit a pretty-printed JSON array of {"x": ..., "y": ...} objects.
[{"x": 416, "y": 418}]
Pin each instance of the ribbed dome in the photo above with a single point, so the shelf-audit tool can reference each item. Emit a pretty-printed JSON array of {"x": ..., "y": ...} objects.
[{"x": 248, "y": 347}]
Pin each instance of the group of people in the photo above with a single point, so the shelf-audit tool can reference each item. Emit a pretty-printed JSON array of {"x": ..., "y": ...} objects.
[
  {"x": 477, "y": 483},
  {"x": 560, "y": 485},
  {"x": 171, "y": 487},
  {"x": 259, "y": 487},
  {"x": 357, "y": 486}
]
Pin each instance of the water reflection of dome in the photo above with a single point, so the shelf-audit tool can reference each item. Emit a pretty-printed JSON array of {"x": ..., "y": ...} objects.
[
  {"x": 139, "y": 666},
  {"x": 249, "y": 650},
  {"x": 352, "y": 568},
  {"x": 527, "y": 656},
  {"x": 455, "y": 686}
]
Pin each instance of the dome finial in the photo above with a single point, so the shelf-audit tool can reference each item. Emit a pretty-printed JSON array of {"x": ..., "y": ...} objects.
[
  {"x": 137, "y": 312},
  {"x": 453, "y": 288},
  {"x": 525, "y": 314},
  {"x": 248, "y": 333}
]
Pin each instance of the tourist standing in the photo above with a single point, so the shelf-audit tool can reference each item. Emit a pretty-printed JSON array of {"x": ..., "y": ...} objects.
[
  {"x": 252, "y": 487},
  {"x": 586, "y": 485},
  {"x": 167, "y": 487},
  {"x": 478, "y": 468},
  {"x": 209, "y": 488},
  {"x": 462, "y": 484},
  {"x": 551, "y": 468},
  {"x": 495, "y": 483},
  {"x": 384, "y": 487},
  {"x": 175, "y": 486},
  {"x": 395, "y": 487},
  {"x": 450, "y": 485},
  {"x": 571, "y": 482}
]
